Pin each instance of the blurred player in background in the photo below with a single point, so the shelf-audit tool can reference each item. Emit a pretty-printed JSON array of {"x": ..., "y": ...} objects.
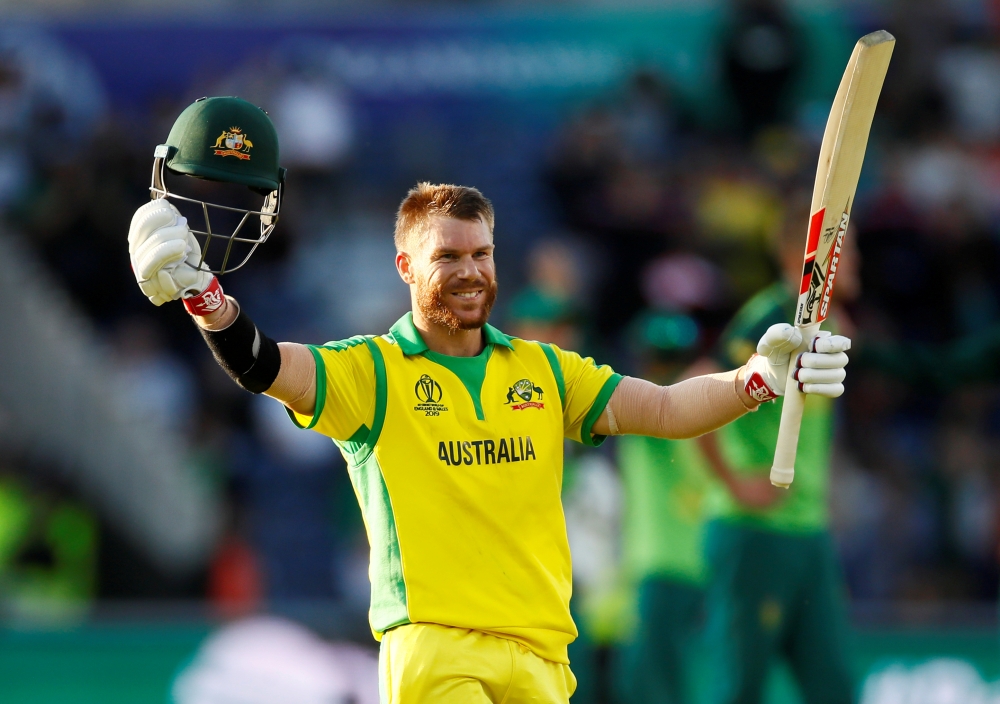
[
  {"x": 548, "y": 309},
  {"x": 453, "y": 431},
  {"x": 667, "y": 484},
  {"x": 776, "y": 589}
]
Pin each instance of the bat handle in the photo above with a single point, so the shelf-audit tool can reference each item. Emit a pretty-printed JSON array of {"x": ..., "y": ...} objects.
[{"x": 783, "y": 469}]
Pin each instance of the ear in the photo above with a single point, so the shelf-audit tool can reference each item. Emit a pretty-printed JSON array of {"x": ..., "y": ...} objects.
[{"x": 403, "y": 266}]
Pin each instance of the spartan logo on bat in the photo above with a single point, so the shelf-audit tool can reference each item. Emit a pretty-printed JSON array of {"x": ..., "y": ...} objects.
[
  {"x": 524, "y": 389},
  {"x": 429, "y": 394},
  {"x": 821, "y": 283},
  {"x": 233, "y": 142},
  {"x": 834, "y": 261}
]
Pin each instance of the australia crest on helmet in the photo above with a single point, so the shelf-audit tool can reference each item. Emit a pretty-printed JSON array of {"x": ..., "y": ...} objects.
[{"x": 233, "y": 142}]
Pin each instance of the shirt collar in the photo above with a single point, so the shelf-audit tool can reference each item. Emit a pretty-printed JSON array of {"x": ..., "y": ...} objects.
[{"x": 406, "y": 335}]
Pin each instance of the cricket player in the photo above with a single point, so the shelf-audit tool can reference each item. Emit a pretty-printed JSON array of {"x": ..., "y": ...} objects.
[
  {"x": 667, "y": 487},
  {"x": 453, "y": 431},
  {"x": 775, "y": 587}
]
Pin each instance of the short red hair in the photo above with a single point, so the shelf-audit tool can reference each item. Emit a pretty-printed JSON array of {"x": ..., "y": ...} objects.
[{"x": 426, "y": 200}]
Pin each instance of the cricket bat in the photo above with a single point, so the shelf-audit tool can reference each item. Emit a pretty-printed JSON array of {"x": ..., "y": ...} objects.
[{"x": 840, "y": 159}]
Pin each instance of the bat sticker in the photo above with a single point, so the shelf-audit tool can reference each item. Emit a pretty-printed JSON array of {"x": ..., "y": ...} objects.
[
  {"x": 817, "y": 279},
  {"x": 815, "y": 224},
  {"x": 834, "y": 260}
]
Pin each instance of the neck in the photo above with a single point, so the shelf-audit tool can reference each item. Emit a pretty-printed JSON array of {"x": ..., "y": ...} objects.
[{"x": 454, "y": 343}]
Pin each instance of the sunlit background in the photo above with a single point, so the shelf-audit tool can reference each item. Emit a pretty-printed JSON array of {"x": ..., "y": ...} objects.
[{"x": 165, "y": 536}]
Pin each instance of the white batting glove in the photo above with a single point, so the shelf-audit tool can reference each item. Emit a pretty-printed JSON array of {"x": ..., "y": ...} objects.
[
  {"x": 164, "y": 253},
  {"x": 767, "y": 370},
  {"x": 819, "y": 371}
]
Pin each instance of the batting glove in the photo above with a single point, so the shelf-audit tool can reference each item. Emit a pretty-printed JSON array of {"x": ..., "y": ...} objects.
[
  {"x": 166, "y": 256},
  {"x": 820, "y": 370}
]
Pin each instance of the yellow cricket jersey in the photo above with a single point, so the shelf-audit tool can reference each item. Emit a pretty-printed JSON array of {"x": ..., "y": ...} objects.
[{"x": 457, "y": 464}]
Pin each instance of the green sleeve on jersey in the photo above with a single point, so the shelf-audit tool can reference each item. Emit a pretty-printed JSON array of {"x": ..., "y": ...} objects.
[
  {"x": 556, "y": 370},
  {"x": 600, "y": 403},
  {"x": 381, "y": 395},
  {"x": 320, "y": 392}
]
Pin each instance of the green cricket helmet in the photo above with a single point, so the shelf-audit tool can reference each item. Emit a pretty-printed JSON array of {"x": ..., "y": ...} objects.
[
  {"x": 231, "y": 141},
  {"x": 665, "y": 335}
]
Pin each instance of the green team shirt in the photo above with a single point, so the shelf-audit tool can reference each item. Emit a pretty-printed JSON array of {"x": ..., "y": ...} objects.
[
  {"x": 667, "y": 485},
  {"x": 748, "y": 443}
]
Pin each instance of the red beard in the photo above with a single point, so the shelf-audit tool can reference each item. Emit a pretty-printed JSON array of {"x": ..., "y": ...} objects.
[{"x": 433, "y": 308}]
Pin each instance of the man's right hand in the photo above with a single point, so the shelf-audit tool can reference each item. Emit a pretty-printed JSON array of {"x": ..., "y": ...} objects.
[
  {"x": 165, "y": 255},
  {"x": 754, "y": 492}
]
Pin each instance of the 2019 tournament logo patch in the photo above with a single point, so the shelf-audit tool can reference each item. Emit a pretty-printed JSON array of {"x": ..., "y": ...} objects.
[
  {"x": 429, "y": 394},
  {"x": 233, "y": 142},
  {"x": 524, "y": 389}
]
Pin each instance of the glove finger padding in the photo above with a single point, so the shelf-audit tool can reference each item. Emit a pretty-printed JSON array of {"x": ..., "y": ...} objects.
[
  {"x": 150, "y": 218},
  {"x": 821, "y": 371},
  {"x": 816, "y": 360},
  {"x": 154, "y": 291},
  {"x": 190, "y": 277},
  {"x": 151, "y": 290},
  {"x": 190, "y": 281},
  {"x": 820, "y": 376},
  {"x": 828, "y": 390},
  {"x": 827, "y": 344},
  {"x": 167, "y": 283},
  {"x": 158, "y": 255},
  {"x": 194, "y": 256},
  {"x": 778, "y": 341}
]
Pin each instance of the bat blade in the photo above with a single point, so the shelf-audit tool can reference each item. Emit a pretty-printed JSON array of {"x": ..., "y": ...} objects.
[
  {"x": 840, "y": 159},
  {"x": 841, "y": 156}
]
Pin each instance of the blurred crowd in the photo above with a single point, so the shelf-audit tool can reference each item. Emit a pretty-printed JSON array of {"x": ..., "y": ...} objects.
[{"x": 649, "y": 211}]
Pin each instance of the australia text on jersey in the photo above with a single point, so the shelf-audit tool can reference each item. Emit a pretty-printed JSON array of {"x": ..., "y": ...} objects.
[{"x": 457, "y": 452}]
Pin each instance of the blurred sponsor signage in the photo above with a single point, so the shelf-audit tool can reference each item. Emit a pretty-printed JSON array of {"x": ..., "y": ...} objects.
[{"x": 937, "y": 681}]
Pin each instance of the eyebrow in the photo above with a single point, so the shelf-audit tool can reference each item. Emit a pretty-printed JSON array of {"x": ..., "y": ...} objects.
[{"x": 452, "y": 250}]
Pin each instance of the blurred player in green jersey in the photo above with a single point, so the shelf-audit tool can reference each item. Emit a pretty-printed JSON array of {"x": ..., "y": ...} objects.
[
  {"x": 667, "y": 484},
  {"x": 548, "y": 309},
  {"x": 776, "y": 589}
]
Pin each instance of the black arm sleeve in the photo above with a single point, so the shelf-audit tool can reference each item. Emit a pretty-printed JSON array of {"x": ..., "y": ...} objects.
[{"x": 251, "y": 358}]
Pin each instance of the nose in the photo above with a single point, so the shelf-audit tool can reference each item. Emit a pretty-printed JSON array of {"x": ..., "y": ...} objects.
[{"x": 468, "y": 269}]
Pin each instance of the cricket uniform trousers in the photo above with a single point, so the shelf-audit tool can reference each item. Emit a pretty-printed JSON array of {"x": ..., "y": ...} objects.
[
  {"x": 777, "y": 595},
  {"x": 424, "y": 662}
]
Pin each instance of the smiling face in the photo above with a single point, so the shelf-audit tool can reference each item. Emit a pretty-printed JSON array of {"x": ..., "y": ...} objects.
[{"x": 451, "y": 273}]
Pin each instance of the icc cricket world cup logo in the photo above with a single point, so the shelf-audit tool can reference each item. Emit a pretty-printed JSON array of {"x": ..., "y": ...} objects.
[
  {"x": 428, "y": 390},
  {"x": 429, "y": 395}
]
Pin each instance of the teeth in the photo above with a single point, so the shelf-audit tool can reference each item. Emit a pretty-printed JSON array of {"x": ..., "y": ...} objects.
[{"x": 471, "y": 294}]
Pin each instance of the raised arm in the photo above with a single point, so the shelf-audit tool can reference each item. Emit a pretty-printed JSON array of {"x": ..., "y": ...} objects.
[
  {"x": 684, "y": 410},
  {"x": 701, "y": 404},
  {"x": 166, "y": 263},
  {"x": 295, "y": 381}
]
